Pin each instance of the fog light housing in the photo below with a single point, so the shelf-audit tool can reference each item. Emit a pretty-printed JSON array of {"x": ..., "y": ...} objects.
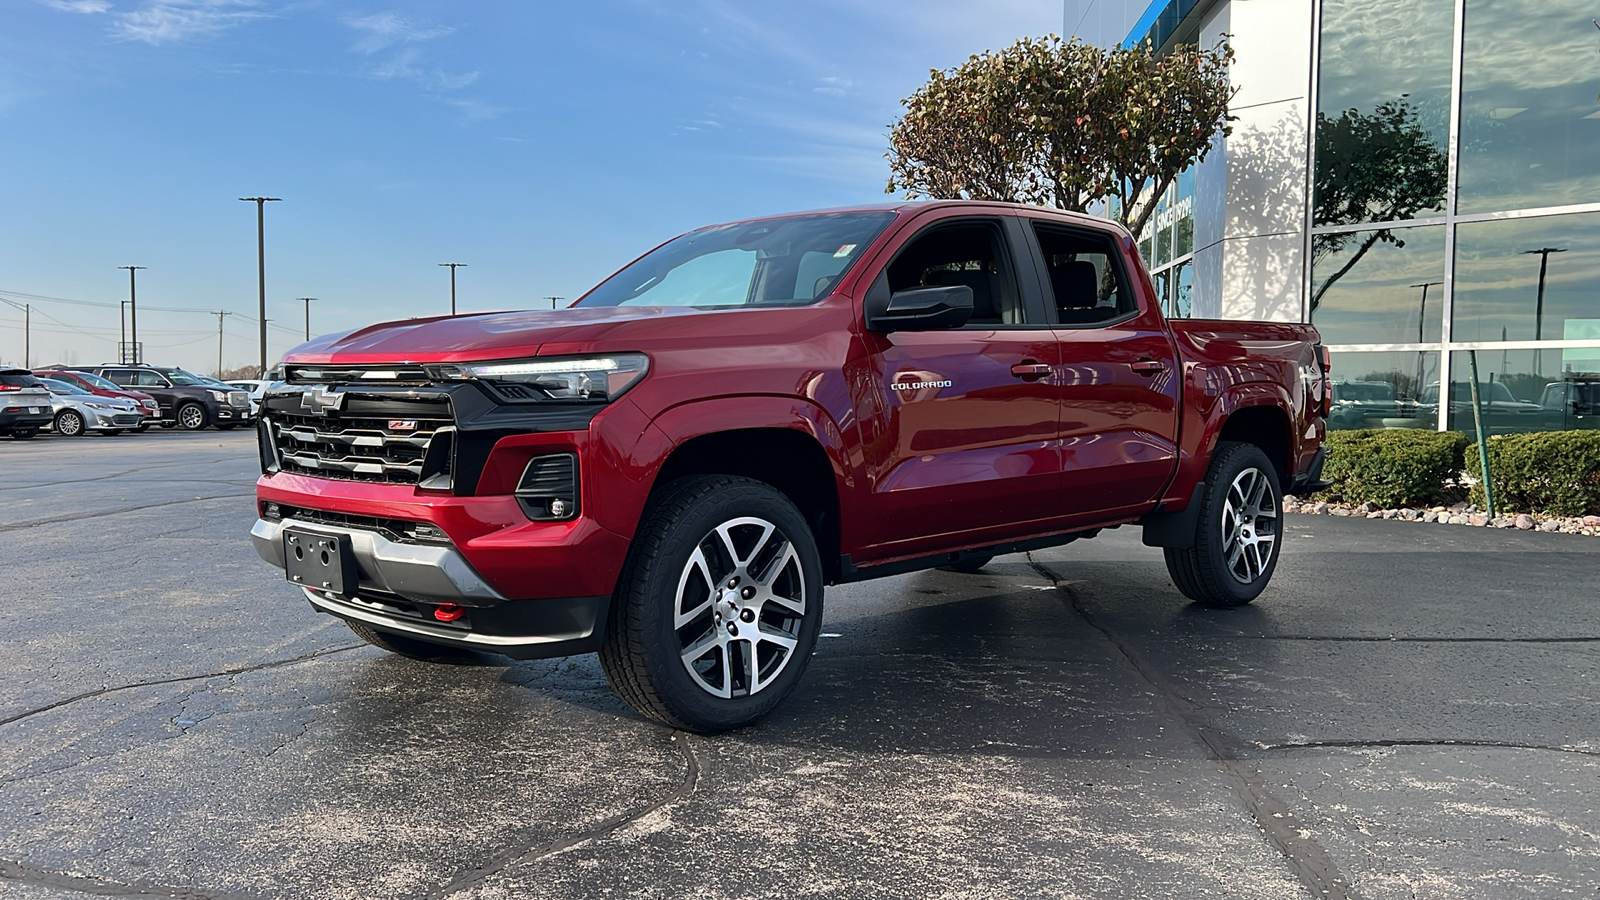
[
  {"x": 548, "y": 489},
  {"x": 271, "y": 512}
]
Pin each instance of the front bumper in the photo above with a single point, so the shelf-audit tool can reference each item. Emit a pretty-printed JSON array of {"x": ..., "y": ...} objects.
[
  {"x": 113, "y": 420},
  {"x": 402, "y": 584}
]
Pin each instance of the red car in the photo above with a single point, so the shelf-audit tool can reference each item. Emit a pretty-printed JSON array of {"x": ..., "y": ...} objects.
[
  {"x": 103, "y": 387},
  {"x": 669, "y": 472}
]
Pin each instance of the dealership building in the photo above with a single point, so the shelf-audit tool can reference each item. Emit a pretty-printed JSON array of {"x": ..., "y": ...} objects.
[{"x": 1421, "y": 180}]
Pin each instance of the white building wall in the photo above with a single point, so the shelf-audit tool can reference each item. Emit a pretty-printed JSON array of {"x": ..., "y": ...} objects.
[
  {"x": 1103, "y": 23},
  {"x": 1210, "y": 199}
]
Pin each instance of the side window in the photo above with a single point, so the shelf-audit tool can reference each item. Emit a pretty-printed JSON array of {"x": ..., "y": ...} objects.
[
  {"x": 966, "y": 252},
  {"x": 147, "y": 379},
  {"x": 120, "y": 376},
  {"x": 1084, "y": 277}
]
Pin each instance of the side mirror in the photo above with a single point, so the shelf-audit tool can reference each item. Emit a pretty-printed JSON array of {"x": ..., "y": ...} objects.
[{"x": 918, "y": 309}]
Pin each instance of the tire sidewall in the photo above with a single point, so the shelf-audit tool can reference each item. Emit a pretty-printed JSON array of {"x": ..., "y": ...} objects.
[
  {"x": 658, "y": 578},
  {"x": 1208, "y": 541}
]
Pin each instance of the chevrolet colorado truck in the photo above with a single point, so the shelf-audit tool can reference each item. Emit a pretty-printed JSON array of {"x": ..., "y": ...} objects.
[{"x": 669, "y": 471}]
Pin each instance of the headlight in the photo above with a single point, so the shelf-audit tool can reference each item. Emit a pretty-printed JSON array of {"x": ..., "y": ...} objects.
[
  {"x": 587, "y": 379},
  {"x": 219, "y": 396},
  {"x": 97, "y": 406}
]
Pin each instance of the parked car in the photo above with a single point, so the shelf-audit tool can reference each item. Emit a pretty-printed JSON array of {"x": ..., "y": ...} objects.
[
  {"x": 185, "y": 400},
  {"x": 102, "y": 387},
  {"x": 77, "y": 411},
  {"x": 669, "y": 471},
  {"x": 24, "y": 404},
  {"x": 1503, "y": 413},
  {"x": 1371, "y": 404},
  {"x": 1571, "y": 404},
  {"x": 257, "y": 387}
]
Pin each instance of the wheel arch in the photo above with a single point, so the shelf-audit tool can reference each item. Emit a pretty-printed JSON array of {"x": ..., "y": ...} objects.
[
  {"x": 1266, "y": 425},
  {"x": 793, "y": 447}
]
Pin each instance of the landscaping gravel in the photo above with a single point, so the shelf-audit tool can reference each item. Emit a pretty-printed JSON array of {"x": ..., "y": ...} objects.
[{"x": 1457, "y": 514}]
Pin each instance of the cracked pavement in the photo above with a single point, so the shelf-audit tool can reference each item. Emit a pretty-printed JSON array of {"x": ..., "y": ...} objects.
[{"x": 1407, "y": 712}]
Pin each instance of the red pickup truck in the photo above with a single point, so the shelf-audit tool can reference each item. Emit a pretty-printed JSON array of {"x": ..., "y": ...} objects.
[{"x": 669, "y": 471}]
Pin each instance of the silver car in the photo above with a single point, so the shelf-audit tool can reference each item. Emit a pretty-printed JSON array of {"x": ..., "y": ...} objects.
[{"x": 78, "y": 411}]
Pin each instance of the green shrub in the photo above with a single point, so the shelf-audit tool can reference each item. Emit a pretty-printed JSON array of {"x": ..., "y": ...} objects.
[
  {"x": 1555, "y": 472},
  {"x": 1399, "y": 467}
]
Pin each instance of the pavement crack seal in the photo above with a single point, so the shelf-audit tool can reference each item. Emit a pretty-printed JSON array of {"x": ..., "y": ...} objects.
[
  {"x": 1438, "y": 742},
  {"x": 225, "y": 673},
  {"x": 23, "y": 873},
  {"x": 1310, "y": 863},
  {"x": 78, "y": 517},
  {"x": 531, "y": 852}
]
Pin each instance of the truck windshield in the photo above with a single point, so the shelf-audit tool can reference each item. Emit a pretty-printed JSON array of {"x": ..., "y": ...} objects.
[
  {"x": 788, "y": 261},
  {"x": 186, "y": 379}
]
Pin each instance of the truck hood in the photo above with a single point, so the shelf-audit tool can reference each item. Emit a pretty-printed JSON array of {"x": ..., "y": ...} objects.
[{"x": 492, "y": 335}]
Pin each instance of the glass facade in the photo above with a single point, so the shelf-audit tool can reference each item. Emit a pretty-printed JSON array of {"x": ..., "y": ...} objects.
[
  {"x": 1167, "y": 246},
  {"x": 1428, "y": 258}
]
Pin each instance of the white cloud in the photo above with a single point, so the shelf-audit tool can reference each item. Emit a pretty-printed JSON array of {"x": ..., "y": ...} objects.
[
  {"x": 382, "y": 30},
  {"x": 834, "y": 87},
  {"x": 404, "y": 66},
  {"x": 169, "y": 21},
  {"x": 78, "y": 6}
]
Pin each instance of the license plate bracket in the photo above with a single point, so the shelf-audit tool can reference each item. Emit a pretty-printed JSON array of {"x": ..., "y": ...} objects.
[{"x": 323, "y": 561}]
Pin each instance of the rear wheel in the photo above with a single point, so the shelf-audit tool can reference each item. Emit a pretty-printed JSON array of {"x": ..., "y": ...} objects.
[
  {"x": 23, "y": 434},
  {"x": 1237, "y": 530},
  {"x": 719, "y": 605},
  {"x": 191, "y": 417},
  {"x": 69, "y": 423}
]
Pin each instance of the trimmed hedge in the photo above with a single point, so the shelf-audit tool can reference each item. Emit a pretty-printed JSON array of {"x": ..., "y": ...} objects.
[
  {"x": 1554, "y": 472},
  {"x": 1394, "y": 468}
]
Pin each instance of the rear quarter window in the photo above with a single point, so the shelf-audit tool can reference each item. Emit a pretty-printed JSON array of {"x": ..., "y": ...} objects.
[{"x": 21, "y": 381}]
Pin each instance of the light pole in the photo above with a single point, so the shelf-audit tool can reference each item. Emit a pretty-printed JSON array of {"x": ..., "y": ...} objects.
[
  {"x": 1422, "y": 316},
  {"x": 307, "y": 301},
  {"x": 122, "y": 320},
  {"x": 1538, "y": 309},
  {"x": 220, "y": 314},
  {"x": 261, "y": 268},
  {"x": 133, "y": 311},
  {"x": 453, "y": 267}
]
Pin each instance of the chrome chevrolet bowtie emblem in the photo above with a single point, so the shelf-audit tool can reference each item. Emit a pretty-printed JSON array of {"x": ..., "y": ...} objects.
[{"x": 320, "y": 401}]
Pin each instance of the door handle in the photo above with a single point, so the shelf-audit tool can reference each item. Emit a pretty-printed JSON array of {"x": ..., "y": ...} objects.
[
  {"x": 1030, "y": 370},
  {"x": 1148, "y": 366}
]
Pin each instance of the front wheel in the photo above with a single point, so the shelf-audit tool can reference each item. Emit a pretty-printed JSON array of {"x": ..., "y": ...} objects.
[
  {"x": 718, "y": 607},
  {"x": 69, "y": 423},
  {"x": 1237, "y": 530},
  {"x": 191, "y": 417}
]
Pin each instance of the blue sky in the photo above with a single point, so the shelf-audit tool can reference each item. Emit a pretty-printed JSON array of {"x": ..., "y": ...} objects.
[{"x": 542, "y": 144}]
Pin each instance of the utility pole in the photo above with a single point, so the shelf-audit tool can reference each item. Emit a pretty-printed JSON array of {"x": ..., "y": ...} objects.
[
  {"x": 553, "y": 301},
  {"x": 453, "y": 267},
  {"x": 133, "y": 312},
  {"x": 1538, "y": 309},
  {"x": 220, "y": 314},
  {"x": 27, "y": 335},
  {"x": 261, "y": 268},
  {"x": 1422, "y": 317},
  {"x": 307, "y": 301}
]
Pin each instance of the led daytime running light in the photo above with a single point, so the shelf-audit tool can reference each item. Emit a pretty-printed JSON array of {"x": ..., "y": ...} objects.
[{"x": 497, "y": 370}]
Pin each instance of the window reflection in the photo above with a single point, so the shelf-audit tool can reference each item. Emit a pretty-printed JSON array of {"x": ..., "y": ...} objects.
[
  {"x": 1379, "y": 287},
  {"x": 1530, "y": 105},
  {"x": 1382, "y": 390},
  {"x": 1528, "y": 279},
  {"x": 1525, "y": 390},
  {"x": 1383, "y": 103}
]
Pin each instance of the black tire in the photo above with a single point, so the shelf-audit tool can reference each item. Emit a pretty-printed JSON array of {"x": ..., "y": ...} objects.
[
  {"x": 192, "y": 417},
  {"x": 404, "y": 646},
  {"x": 666, "y": 605},
  {"x": 969, "y": 566},
  {"x": 69, "y": 423},
  {"x": 24, "y": 434},
  {"x": 1240, "y": 505}
]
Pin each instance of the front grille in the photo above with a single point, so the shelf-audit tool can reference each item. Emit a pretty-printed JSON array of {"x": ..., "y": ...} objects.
[
  {"x": 384, "y": 450},
  {"x": 398, "y": 530},
  {"x": 126, "y": 420},
  {"x": 238, "y": 398}
]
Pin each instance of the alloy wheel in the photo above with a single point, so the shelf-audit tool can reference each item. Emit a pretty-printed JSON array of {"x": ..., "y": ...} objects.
[
  {"x": 740, "y": 603},
  {"x": 192, "y": 417},
  {"x": 69, "y": 424},
  {"x": 1249, "y": 525}
]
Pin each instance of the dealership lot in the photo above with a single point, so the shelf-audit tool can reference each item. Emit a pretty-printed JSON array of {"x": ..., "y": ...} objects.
[{"x": 1408, "y": 711}]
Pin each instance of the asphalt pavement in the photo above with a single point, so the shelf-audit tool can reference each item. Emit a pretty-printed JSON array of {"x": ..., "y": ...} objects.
[{"x": 1409, "y": 711}]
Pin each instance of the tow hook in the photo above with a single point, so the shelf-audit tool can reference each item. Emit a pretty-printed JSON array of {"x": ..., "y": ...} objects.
[{"x": 448, "y": 612}]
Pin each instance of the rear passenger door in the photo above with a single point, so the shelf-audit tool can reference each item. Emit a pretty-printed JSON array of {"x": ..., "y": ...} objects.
[
  {"x": 1119, "y": 375},
  {"x": 959, "y": 425}
]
